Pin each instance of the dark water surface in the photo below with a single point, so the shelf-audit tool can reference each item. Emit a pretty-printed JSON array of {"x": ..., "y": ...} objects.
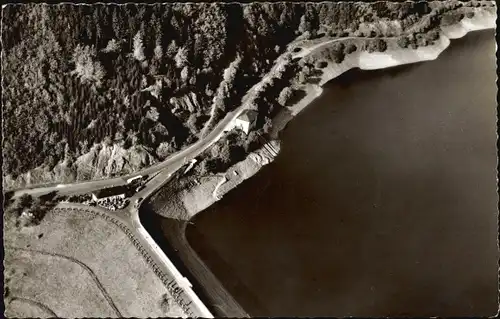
[{"x": 382, "y": 202}]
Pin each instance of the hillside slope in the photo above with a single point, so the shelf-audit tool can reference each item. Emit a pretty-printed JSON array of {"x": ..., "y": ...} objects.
[{"x": 120, "y": 87}]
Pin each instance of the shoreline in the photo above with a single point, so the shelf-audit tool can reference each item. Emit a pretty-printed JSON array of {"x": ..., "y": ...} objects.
[
  {"x": 363, "y": 60},
  {"x": 202, "y": 196},
  {"x": 483, "y": 19}
]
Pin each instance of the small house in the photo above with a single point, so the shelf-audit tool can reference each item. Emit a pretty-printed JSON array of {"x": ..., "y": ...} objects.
[{"x": 246, "y": 120}]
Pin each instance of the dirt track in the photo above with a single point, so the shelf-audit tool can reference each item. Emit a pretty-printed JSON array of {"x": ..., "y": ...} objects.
[
  {"x": 37, "y": 304},
  {"x": 81, "y": 264}
]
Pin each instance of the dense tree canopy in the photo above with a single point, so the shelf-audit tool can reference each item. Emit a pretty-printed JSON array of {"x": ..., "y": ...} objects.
[{"x": 152, "y": 75}]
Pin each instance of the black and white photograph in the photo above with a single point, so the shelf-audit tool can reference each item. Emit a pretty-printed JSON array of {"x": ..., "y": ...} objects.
[{"x": 250, "y": 159}]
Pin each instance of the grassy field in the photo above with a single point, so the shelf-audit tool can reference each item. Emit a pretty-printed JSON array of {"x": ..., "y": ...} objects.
[
  {"x": 27, "y": 271},
  {"x": 23, "y": 307},
  {"x": 76, "y": 265}
]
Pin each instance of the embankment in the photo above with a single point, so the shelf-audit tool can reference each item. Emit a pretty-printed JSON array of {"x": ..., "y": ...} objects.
[
  {"x": 396, "y": 56},
  {"x": 186, "y": 201},
  {"x": 211, "y": 190}
]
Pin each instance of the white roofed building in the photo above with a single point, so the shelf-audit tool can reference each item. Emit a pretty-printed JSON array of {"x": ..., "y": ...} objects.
[{"x": 246, "y": 120}]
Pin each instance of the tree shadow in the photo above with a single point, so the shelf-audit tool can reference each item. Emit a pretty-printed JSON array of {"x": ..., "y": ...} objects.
[{"x": 297, "y": 95}]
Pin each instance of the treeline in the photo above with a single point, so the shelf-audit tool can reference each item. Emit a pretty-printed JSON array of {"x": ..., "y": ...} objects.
[
  {"x": 76, "y": 75},
  {"x": 343, "y": 19},
  {"x": 29, "y": 211}
]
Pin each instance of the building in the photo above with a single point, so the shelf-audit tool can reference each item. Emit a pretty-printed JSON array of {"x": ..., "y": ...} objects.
[
  {"x": 246, "y": 120},
  {"x": 118, "y": 191},
  {"x": 130, "y": 180}
]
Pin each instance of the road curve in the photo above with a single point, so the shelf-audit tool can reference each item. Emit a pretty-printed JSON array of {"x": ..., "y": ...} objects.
[
  {"x": 163, "y": 171},
  {"x": 169, "y": 165},
  {"x": 188, "y": 153},
  {"x": 153, "y": 256},
  {"x": 175, "y": 161}
]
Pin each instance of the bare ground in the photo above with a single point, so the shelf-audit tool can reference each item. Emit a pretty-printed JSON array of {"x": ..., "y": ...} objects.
[
  {"x": 102, "y": 161},
  {"x": 186, "y": 196}
]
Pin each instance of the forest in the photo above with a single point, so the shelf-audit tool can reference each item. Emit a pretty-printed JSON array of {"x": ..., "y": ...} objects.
[
  {"x": 74, "y": 76},
  {"x": 152, "y": 75}
]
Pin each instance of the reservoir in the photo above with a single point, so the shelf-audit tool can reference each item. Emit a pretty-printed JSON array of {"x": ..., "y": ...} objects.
[{"x": 382, "y": 202}]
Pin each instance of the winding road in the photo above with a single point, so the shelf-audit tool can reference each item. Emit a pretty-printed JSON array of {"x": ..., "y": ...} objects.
[
  {"x": 160, "y": 174},
  {"x": 163, "y": 170},
  {"x": 37, "y": 304}
]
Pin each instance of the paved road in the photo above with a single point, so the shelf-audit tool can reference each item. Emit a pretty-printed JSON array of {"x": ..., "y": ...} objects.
[
  {"x": 177, "y": 160},
  {"x": 165, "y": 168},
  {"x": 161, "y": 173},
  {"x": 172, "y": 163},
  {"x": 178, "y": 286},
  {"x": 306, "y": 51}
]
